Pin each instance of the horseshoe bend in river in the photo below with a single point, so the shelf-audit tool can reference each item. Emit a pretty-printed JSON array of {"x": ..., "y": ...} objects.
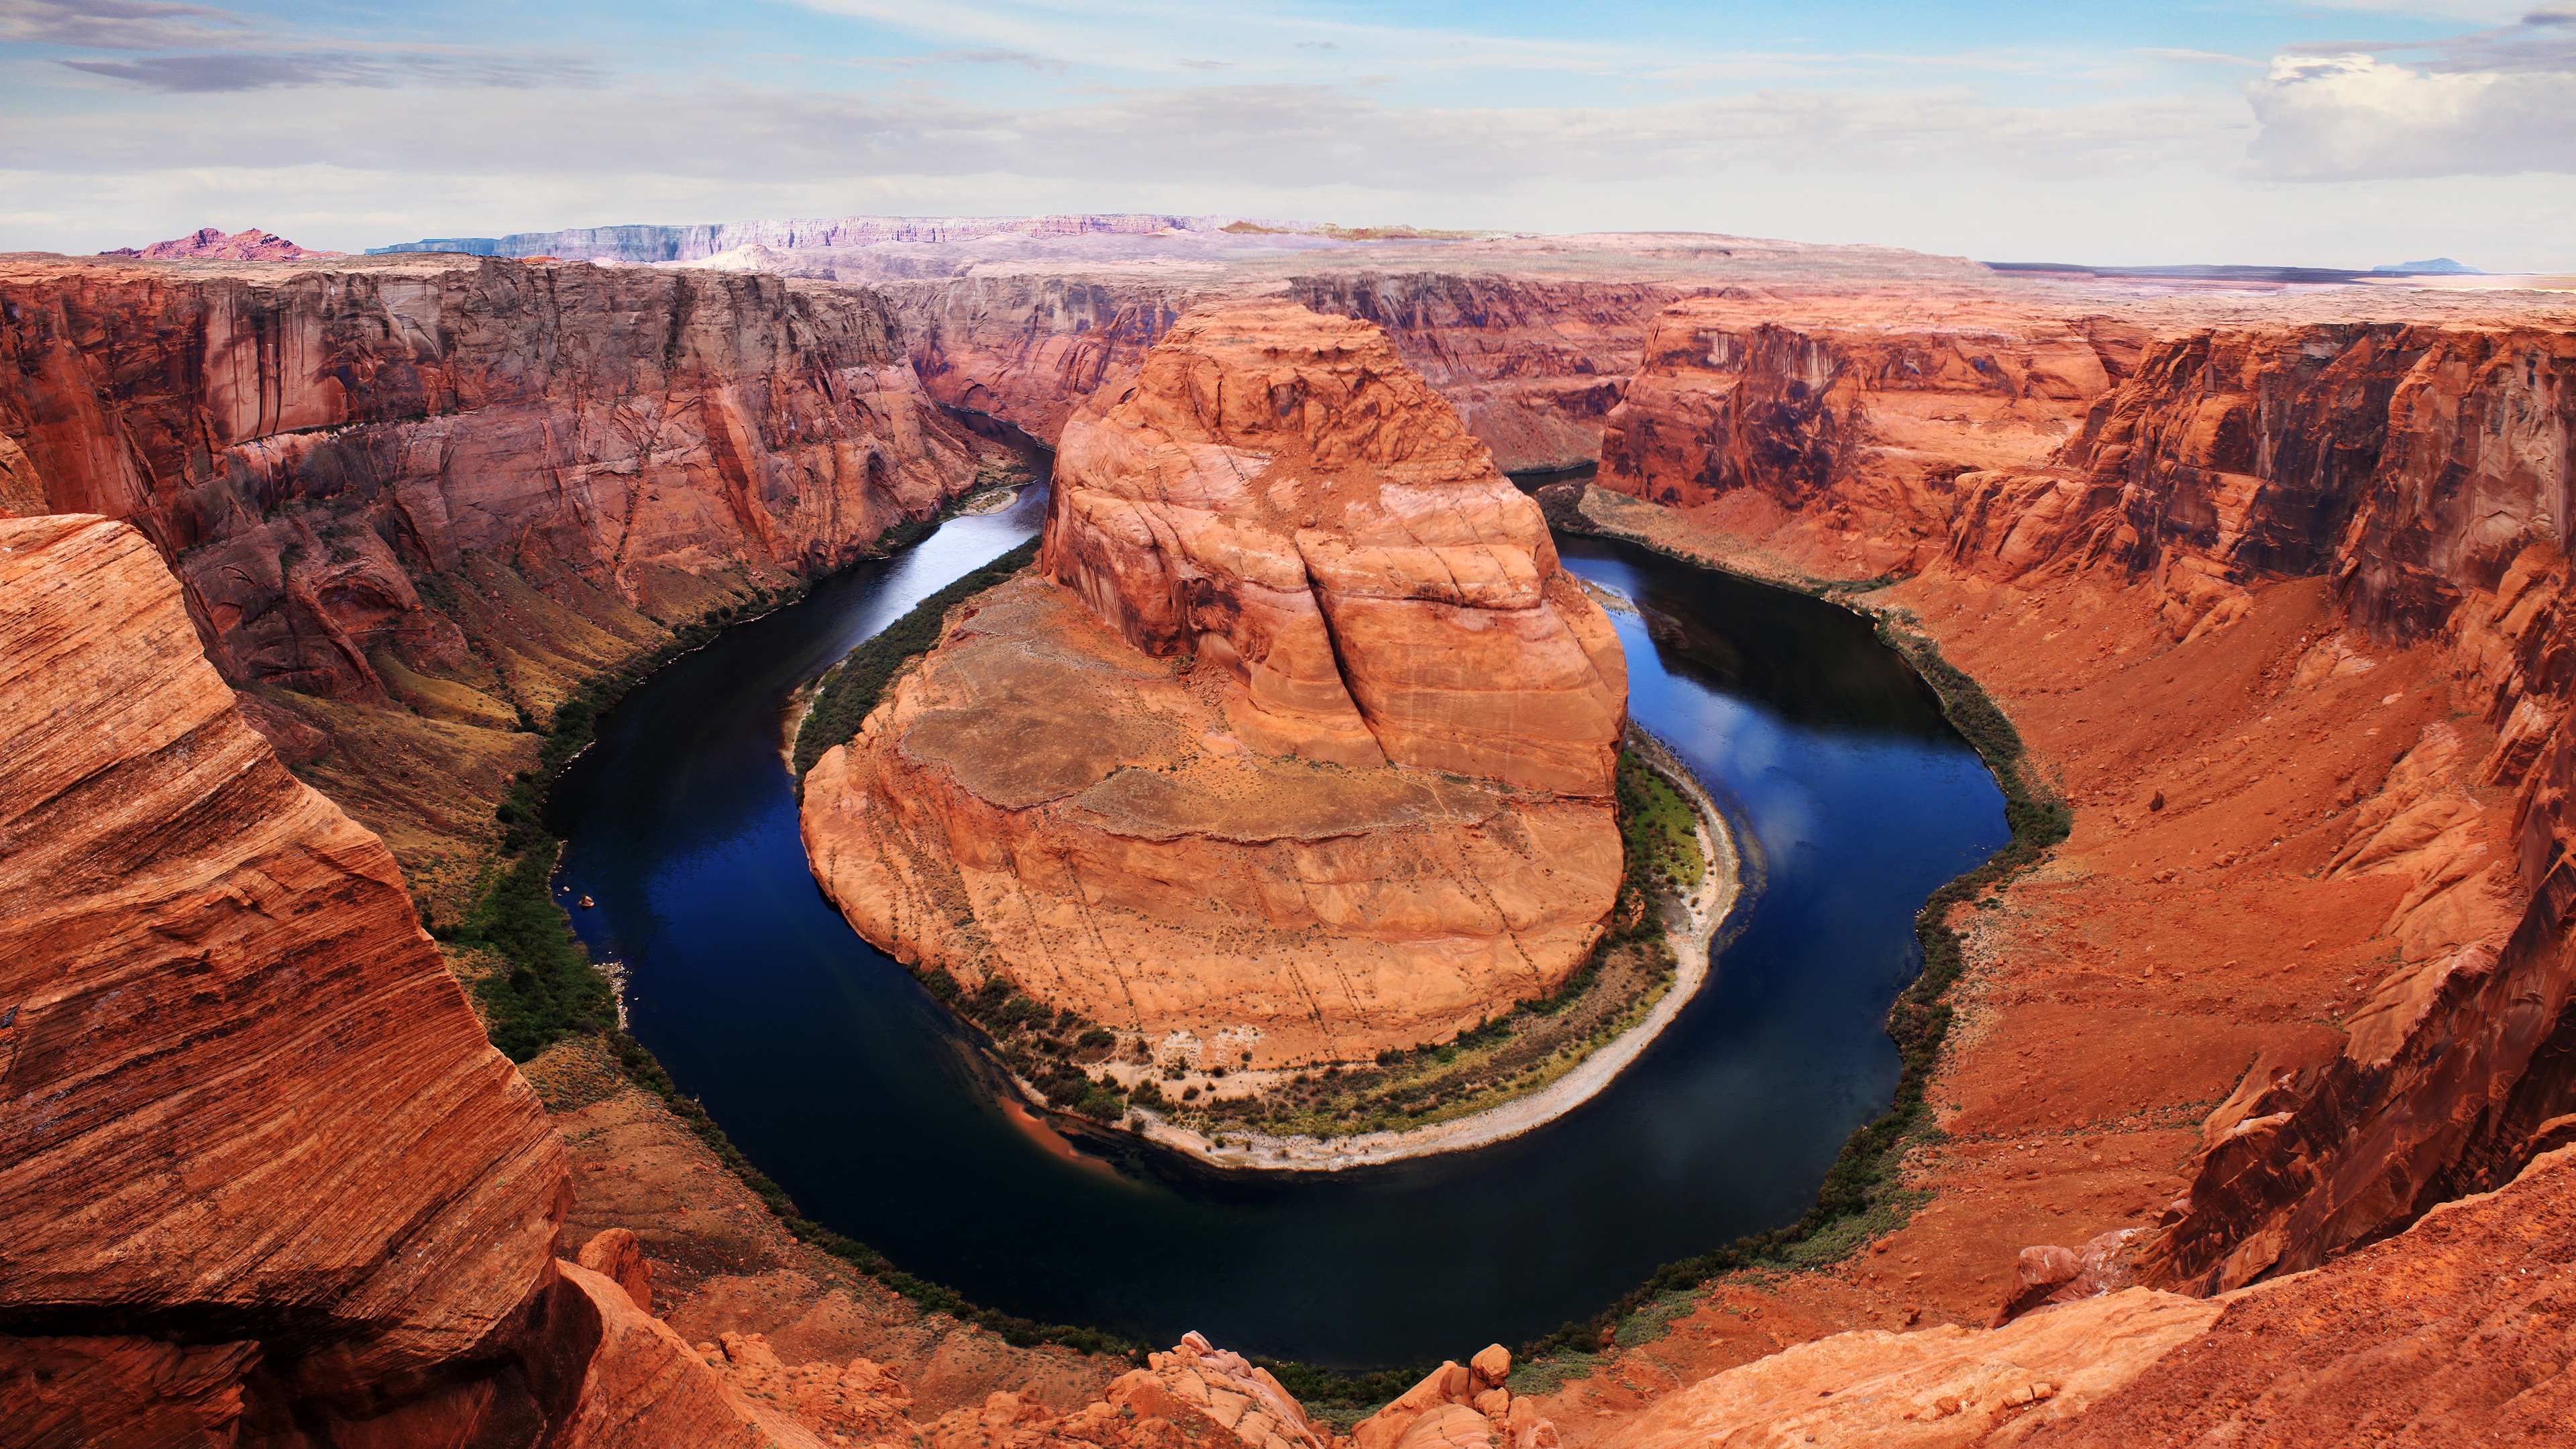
[{"x": 842, "y": 1079}]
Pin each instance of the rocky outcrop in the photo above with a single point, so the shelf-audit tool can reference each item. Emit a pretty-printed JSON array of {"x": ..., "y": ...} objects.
[
  {"x": 308, "y": 447},
  {"x": 263, "y": 1176},
  {"x": 208, "y": 244},
  {"x": 2450, "y": 1333},
  {"x": 1854, "y": 414},
  {"x": 1197, "y": 1396},
  {"x": 1533, "y": 365},
  {"x": 1461, "y": 1405},
  {"x": 1299, "y": 741},
  {"x": 1933, "y": 1389},
  {"x": 2420, "y": 468}
]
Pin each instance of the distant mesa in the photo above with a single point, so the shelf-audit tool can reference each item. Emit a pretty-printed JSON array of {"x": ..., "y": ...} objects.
[
  {"x": 697, "y": 243},
  {"x": 207, "y": 243},
  {"x": 2439, "y": 266}
]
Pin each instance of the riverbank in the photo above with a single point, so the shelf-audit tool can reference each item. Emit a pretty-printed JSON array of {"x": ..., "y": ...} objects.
[{"x": 1701, "y": 914}]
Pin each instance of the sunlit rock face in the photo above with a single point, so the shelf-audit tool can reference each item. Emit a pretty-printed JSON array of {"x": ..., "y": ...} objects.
[{"x": 1297, "y": 734}]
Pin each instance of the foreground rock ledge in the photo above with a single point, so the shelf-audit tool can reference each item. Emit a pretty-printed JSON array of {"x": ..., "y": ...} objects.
[{"x": 1298, "y": 746}]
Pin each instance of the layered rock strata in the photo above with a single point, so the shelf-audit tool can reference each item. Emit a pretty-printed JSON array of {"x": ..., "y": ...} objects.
[
  {"x": 264, "y": 1180},
  {"x": 411, "y": 503},
  {"x": 1855, "y": 413},
  {"x": 308, "y": 443},
  {"x": 2415, "y": 469},
  {"x": 1300, "y": 741}
]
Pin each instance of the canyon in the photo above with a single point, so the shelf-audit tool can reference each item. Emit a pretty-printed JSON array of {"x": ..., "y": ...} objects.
[
  {"x": 2268, "y": 581},
  {"x": 413, "y": 504},
  {"x": 1297, "y": 746}
]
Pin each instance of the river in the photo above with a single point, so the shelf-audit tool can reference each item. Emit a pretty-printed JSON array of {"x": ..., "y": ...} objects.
[{"x": 842, "y": 1080}]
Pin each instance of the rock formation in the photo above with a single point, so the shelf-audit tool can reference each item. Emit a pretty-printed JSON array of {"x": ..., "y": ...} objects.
[
  {"x": 1532, "y": 364},
  {"x": 208, "y": 244},
  {"x": 264, "y": 1178},
  {"x": 1855, "y": 412},
  {"x": 1300, "y": 738},
  {"x": 2419, "y": 467},
  {"x": 411, "y": 502},
  {"x": 307, "y": 445}
]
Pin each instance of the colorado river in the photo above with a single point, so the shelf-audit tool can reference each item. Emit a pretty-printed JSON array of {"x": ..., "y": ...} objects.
[{"x": 846, "y": 1083}]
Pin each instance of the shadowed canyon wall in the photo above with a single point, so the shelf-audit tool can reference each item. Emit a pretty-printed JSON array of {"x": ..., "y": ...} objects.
[
  {"x": 410, "y": 503},
  {"x": 1531, "y": 364},
  {"x": 1300, "y": 739}
]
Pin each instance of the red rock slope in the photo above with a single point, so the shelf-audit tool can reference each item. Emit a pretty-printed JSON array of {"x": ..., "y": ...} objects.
[
  {"x": 2133, "y": 595},
  {"x": 260, "y": 1174},
  {"x": 1301, "y": 739}
]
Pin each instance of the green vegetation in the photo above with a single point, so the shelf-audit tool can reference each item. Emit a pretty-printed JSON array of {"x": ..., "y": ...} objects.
[
  {"x": 1863, "y": 1194},
  {"x": 1661, "y": 833},
  {"x": 547, "y": 989},
  {"x": 851, "y": 688},
  {"x": 1046, "y": 1049},
  {"x": 1526, "y": 1048}
]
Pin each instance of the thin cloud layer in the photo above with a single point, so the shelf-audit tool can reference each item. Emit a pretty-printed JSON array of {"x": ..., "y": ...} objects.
[
  {"x": 240, "y": 71},
  {"x": 1862, "y": 127},
  {"x": 2498, "y": 102}
]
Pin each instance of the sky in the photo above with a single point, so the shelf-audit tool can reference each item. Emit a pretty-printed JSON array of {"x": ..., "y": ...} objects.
[{"x": 2358, "y": 133}]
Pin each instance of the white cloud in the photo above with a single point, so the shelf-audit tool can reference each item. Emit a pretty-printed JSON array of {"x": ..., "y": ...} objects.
[{"x": 2352, "y": 117}]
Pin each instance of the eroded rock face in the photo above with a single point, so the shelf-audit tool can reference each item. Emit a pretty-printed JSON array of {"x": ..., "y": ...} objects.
[
  {"x": 2421, "y": 468},
  {"x": 1300, "y": 737},
  {"x": 1278, "y": 495},
  {"x": 2449, "y": 1333},
  {"x": 244, "y": 1095},
  {"x": 1932, "y": 1389},
  {"x": 308, "y": 444},
  {"x": 1533, "y": 365},
  {"x": 263, "y": 1178},
  {"x": 1854, "y": 413}
]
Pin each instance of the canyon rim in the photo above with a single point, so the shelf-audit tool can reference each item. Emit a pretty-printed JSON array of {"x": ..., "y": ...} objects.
[{"x": 2233, "y": 1102}]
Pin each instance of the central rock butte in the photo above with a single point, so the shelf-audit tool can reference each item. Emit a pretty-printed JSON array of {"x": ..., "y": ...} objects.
[{"x": 1297, "y": 744}]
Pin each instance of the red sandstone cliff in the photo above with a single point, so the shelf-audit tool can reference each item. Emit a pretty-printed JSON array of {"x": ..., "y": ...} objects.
[
  {"x": 1300, "y": 737},
  {"x": 261, "y": 1177},
  {"x": 1532, "y": 364},
  {"x": 307, "y": 444},
  {"x": 2421, "y": 470}
]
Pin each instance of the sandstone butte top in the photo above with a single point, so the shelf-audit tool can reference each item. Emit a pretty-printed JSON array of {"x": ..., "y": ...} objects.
[
  {"x": 1298, "y": 740},
  {"x": 1279, "y": 495}
]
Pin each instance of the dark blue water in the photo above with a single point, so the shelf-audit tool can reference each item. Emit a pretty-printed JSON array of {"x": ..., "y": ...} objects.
[{"x": 844, "y": 1081}]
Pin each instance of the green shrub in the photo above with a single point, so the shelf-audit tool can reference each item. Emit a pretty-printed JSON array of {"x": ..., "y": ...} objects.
[{"x": 852, "y": 687}]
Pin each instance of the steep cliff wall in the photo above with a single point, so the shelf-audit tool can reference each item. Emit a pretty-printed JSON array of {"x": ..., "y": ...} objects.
[
  {"x": 411, "y": 502},
  {"x": 1845, "y": 420},
  {"x": 2421, "y": 470},
  {"x": 1301, "y": 740},
  {"x": 305, "y": 443},
  {"x": 1532, "y": 364},
  {"x": 262, "y": 1175}
]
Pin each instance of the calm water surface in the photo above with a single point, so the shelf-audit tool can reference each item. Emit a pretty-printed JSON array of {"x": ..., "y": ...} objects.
[{"x": 845, "y": 1082}]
